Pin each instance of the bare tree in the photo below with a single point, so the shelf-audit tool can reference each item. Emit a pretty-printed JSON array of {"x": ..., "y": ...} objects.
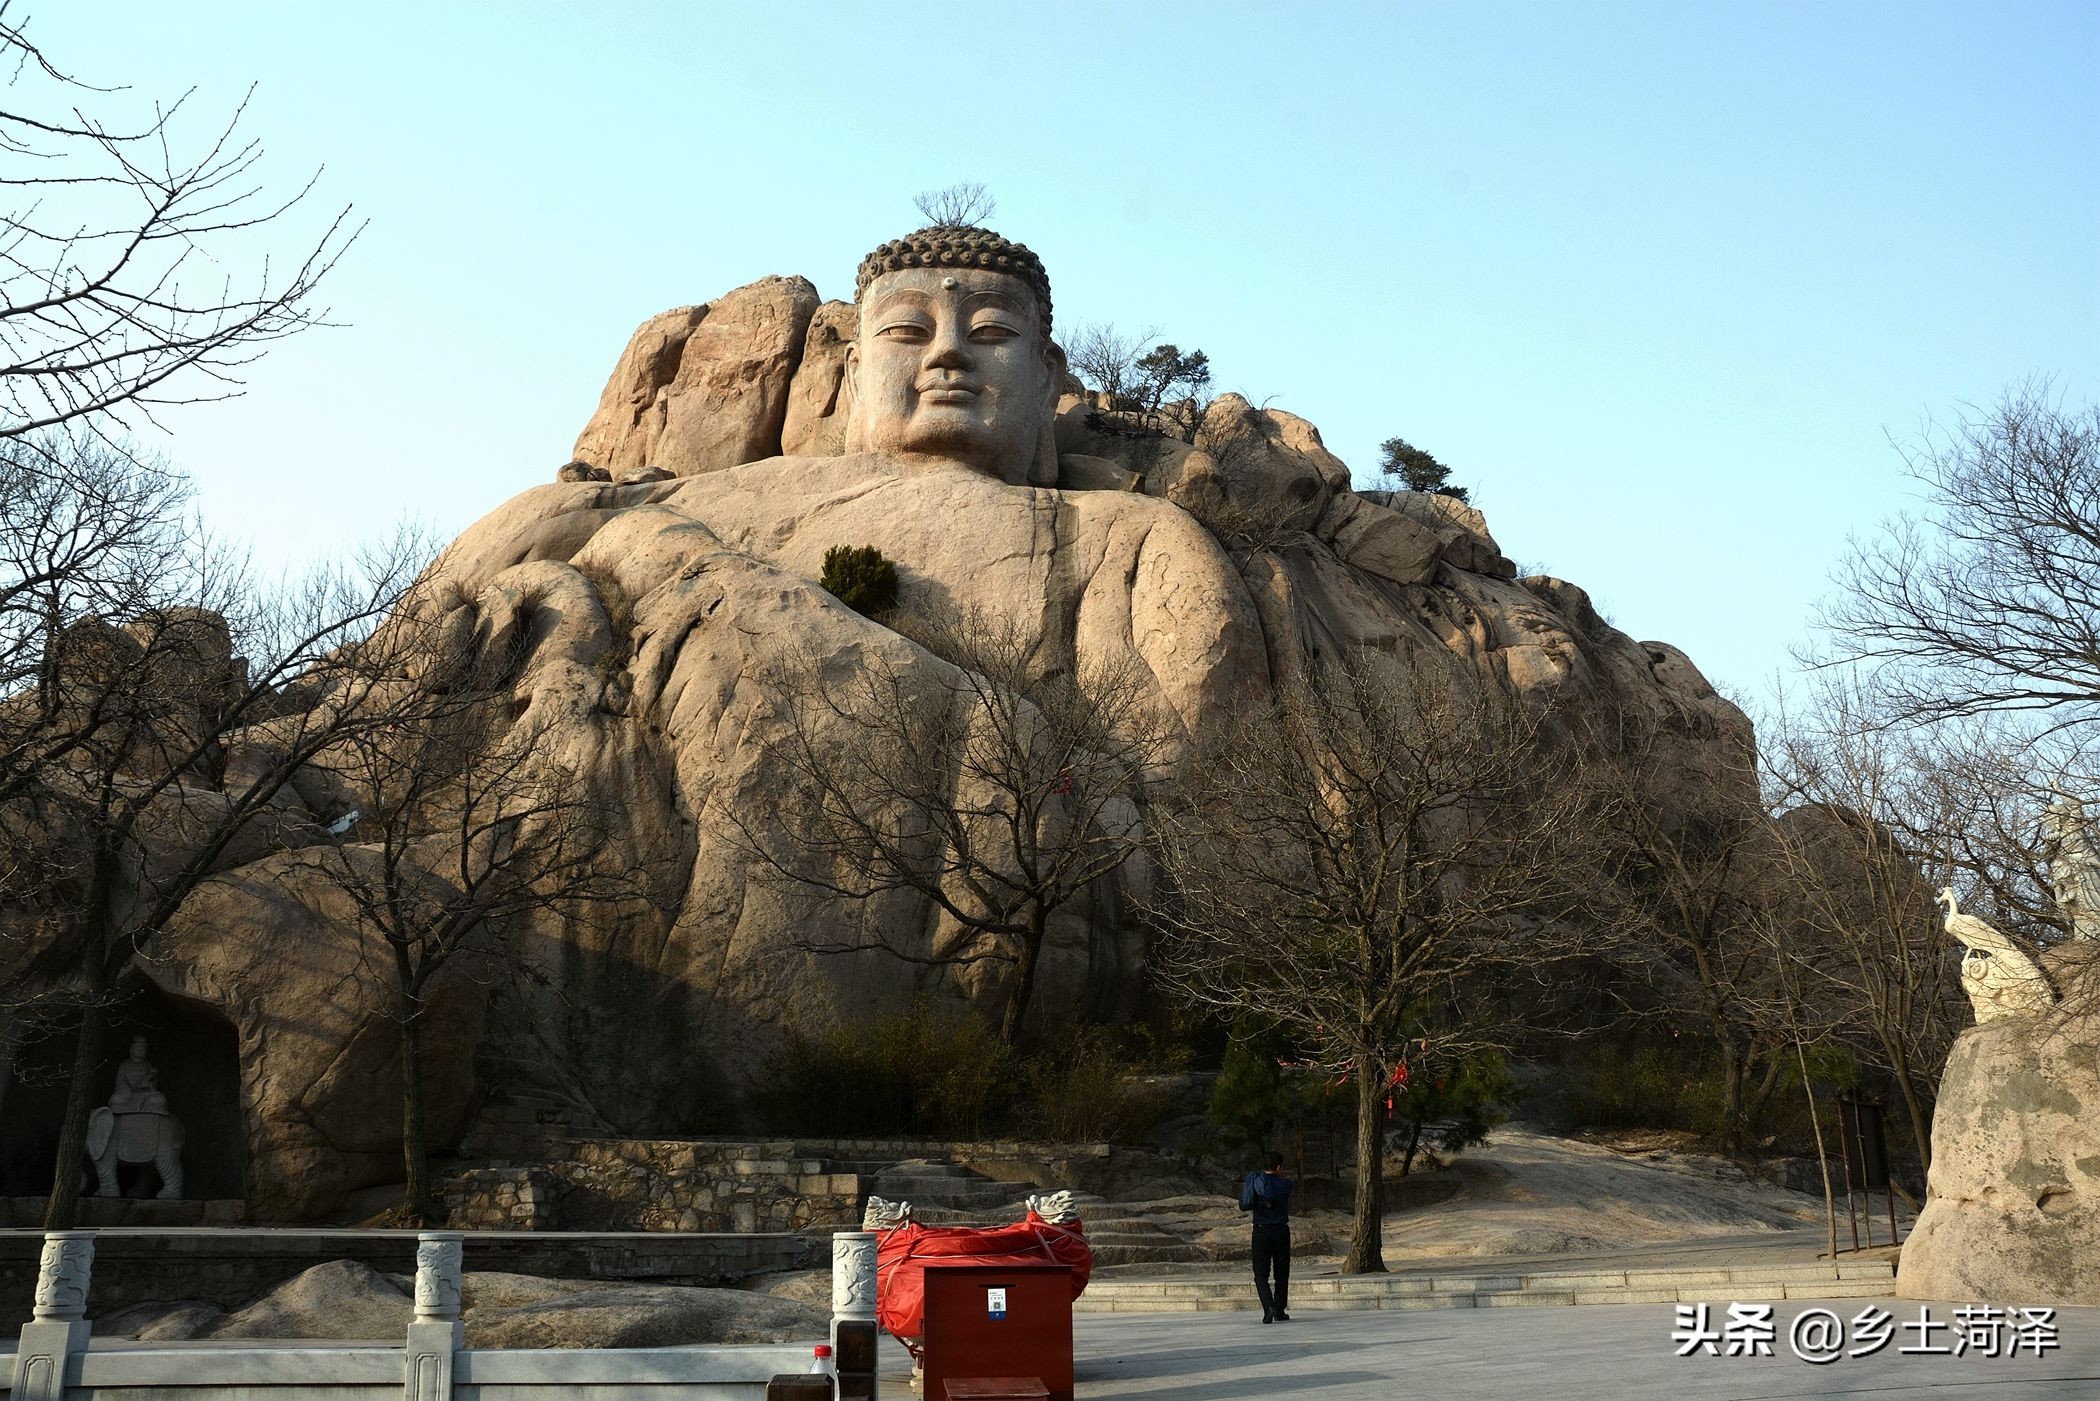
[
  {"x": 996, "y": 785},
  {"x": 1688, "y": 861},
  {"x": 105, "y": 538},
  {"x": 144, "y": 752},
  {"x": 472, "y": 828},
  {"x": 1991, "y": 602},
  {"x": 132, "y": 274},
  {"x": 1106, "y": 359},
  {"x": 1357, "y": 862},
  {"x": 966, "y": 205},
  {"x": 1869, "y": 827}
]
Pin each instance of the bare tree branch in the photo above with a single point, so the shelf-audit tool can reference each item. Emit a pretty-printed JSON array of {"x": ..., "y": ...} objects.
[
  {"x": 472, "y": 828},
  {"x": 159, "y": 704},
  {"x": 994, "y": 787},
  {"x": 1991, "y": 601},
  {"x": 966, "y": 205},
  {"x": 132, "y": 277}
]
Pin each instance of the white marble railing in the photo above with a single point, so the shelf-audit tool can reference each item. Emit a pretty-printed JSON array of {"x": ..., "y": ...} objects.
[{"x": 55, "y": 1360}]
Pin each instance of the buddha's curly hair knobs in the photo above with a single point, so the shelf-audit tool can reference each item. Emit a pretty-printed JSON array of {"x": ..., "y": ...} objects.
[{"x": 958, "y": 246}]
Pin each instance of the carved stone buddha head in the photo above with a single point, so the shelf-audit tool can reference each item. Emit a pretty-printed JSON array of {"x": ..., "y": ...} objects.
[{"x": 953, "y": 361}]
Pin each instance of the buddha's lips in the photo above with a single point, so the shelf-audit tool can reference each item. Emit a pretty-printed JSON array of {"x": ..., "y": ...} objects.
[{"x": 948, "y": 393}]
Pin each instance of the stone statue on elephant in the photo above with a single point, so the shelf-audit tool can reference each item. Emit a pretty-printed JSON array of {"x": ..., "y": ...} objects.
[{"x": 136, "y": 1127}]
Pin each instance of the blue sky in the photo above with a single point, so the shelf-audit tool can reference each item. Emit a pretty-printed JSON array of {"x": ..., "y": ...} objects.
[{"x": 1656, "y": 280}]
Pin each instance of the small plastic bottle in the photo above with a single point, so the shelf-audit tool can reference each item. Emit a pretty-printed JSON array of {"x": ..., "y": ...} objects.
[{"x": 821, "y": 1364}]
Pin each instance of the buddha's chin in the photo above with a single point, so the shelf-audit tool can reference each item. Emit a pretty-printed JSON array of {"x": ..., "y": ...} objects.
[{"x": 953, "y": 438}]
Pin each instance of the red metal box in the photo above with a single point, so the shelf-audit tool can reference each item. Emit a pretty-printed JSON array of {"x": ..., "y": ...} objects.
[{"x": 999, "y": 1321}]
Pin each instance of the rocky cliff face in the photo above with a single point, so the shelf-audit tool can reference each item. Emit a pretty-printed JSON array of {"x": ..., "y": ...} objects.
[{"x": 659, "y": 609}]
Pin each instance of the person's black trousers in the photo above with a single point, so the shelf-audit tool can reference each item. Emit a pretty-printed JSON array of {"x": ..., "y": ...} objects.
[{"x": 1272, "y": 1252}]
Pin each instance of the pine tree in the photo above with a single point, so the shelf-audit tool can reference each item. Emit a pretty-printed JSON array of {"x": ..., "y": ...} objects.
[{"x": 1416, "y": 470}]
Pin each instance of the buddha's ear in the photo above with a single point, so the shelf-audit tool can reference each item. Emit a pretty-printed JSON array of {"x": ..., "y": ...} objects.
[
  {"x": 1054, "y": 357},
  {"x": 1042, "y": 471},
  {"x": 1055, "y": 370},
  {"x": 849, "y": 395}
]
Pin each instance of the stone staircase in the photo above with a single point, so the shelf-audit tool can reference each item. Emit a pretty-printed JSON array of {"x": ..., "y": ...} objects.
[
  {"x": 942, "y": 1194},
  {"x": 1122, "y": 1236},
  {"x": 1845, "y": 1279}
]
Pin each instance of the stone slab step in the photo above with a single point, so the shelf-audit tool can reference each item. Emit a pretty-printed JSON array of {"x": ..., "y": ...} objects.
[
  {"x": 1107, "y": 1256},
  {"x": 1851, "y": 1279},
  {"x": 983, "y": 1197},
  {"x": 953, "y": 1186}
]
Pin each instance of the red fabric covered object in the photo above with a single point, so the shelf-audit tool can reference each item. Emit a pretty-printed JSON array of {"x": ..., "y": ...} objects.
[{"x": 901, "y": 1257}]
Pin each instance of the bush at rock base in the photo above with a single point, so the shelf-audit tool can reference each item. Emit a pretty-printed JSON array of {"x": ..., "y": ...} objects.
[
  {"x": 1078, "y": 1090},
  {"x": 934, "y": 1074},
  {"x": 922, "y": 1072}
]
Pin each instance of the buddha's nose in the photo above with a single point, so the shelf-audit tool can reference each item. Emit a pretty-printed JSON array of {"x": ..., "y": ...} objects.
[{"x": 948, "y": 351}]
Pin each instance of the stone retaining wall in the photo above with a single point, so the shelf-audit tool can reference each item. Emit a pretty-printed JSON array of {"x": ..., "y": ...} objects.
[
  {"x": 616, "y": 1184},
  {"x": 611, "y": 1184},
  {"x": 500, "y": 1199},
  {"x": 1106, "y": 1170}
]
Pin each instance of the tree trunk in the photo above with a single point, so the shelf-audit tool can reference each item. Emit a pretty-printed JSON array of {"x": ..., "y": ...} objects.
[
  {"x": 1024, "y": 981},
  {"x": 1414, "y": 1141},
  {"x": 62, "y": 1210},
  {"x": 1830, "y": 1210},
  {"x": 1754, "y": 1112},
  {"x": 1367, "y": 1240},
  {"x": 1732, "y": 1096},
  {"x": 1920, "y": 1121},
  {"x": 417, "y": 1202}
]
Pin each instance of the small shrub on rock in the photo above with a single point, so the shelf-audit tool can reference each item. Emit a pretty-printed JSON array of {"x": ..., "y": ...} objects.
[{"x": 859, "y": 577}]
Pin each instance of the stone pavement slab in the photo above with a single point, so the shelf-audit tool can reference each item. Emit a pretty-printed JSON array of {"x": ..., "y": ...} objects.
[{"x": 1606, "y": 1353}]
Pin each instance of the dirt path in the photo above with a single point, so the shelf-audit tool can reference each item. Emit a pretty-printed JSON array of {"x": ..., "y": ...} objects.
[{"x": 1530, "y": 1194}]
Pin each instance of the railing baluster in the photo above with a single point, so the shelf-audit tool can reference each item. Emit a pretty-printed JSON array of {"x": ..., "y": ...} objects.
[
  {"x": 436, "y": 1332},
  {"x": 59, "y": 1327}
]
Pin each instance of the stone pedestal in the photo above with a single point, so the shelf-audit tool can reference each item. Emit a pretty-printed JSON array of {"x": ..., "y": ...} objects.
[
  {"x": 855, "y": 1337},
  {"x": 2013, "y": 1210}
]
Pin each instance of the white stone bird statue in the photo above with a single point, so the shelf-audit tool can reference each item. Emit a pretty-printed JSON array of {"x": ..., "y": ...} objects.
[
  {"x": 1999, "y": 977},
  {"x": 883, "y": 1215},
  {"x": 1057, "y": 1208}
]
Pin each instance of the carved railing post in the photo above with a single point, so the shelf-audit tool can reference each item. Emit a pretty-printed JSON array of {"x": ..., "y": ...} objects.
[
  {"x": 59, "y": 1327},
  {"x": 436, "y": 1332},
  {"x": 854, "y": 1334}
]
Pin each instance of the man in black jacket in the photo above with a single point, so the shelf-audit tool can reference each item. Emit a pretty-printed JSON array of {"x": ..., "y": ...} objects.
[{"x": 1267, "y": 1194}]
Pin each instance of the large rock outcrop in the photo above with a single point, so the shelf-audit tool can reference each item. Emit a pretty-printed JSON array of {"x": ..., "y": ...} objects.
[
  {"x": 658, "y": 614},
  {"x": 2012, "y": 1214},
  {"x": 702, "y": 387}
]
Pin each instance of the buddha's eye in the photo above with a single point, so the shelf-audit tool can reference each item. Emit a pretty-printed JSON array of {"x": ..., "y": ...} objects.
[
  {"x": 905, "y": 331},
  {"x": 992, "y": 331}
]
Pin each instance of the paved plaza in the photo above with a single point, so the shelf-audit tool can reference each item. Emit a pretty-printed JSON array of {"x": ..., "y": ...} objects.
[{"x": 1603, "y": 1353}]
